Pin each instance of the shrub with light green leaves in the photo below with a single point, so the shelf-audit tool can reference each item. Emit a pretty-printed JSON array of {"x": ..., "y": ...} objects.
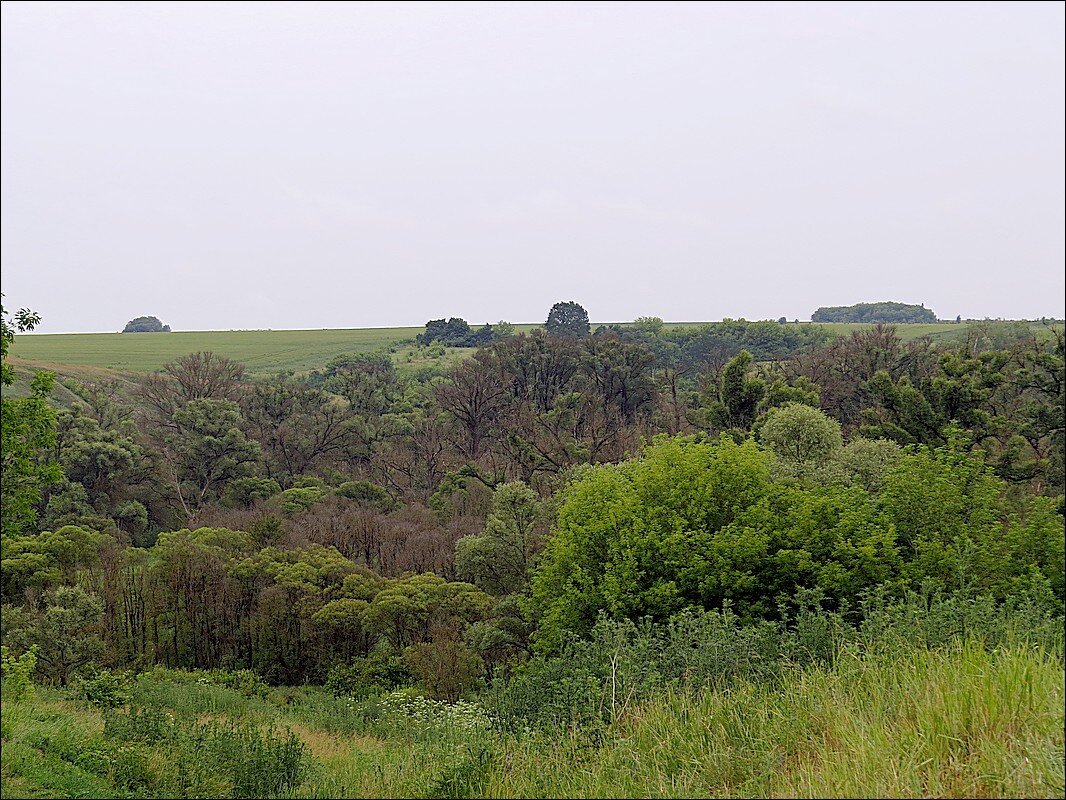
[{"x": 17, "y": 674}]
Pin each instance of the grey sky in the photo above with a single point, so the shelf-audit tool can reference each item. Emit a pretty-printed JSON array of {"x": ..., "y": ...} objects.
[{"x": 302, "y": 166}]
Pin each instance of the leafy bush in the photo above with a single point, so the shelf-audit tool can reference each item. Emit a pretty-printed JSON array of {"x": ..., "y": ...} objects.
[
  {"x": 931, "y": 619},
  {"x": 301, "y": 498},
  {"x": 104, "y": 689},
  {"x": 242, "y": 492},
  {"x": 801, "y": 435},
  {"x": 308, "y": 482},
  {"x": 242, "y": 681},
  {"x": 366, "y": 492},
  {"x": 381, "y": 670},
  {"x": 133, "y": 516},
  {"x": 17, "y": 674},
  {"x": 446, "y": 669},
  {"x": 148, "y": 724}
]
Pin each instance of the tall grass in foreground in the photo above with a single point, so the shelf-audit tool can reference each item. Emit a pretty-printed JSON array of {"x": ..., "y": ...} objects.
[
  {"x": 972, "y": 717},
  {"x": 962, "y": 721}
]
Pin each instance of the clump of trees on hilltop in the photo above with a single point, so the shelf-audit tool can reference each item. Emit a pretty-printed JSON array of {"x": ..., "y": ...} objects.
[
  {"x": 888, "y": 313},
  {"x": 565, "y": 319},
  {"x": 454, "y": 332},
  {"x": 146, "y": 325}
]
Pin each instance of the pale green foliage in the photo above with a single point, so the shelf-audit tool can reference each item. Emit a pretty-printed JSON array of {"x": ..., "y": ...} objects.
[
  {"x": 47, "y": 559},
  {"x": 98, "y": 458},
  {"x": 366, "y": 493},
  {"x": 407, "y": 610},
  {"x": 68, "y": 504},
  {"x": 423, "y": 712},
  {"x": 866, "y": 461},
  {"x": 243, "y": 492},
  {"x": 104, "y": 688},
  {"x": 694, "y": 524},
  {"x": 780, "y": 392},
  {"x": 403, "y": 611},
  {"x": 17, "y": 674},
  {"x": 961, "y": 722},
  {"x": 503, "y": 329},
  {"x": 652, "y": 326},
  {"x": 310, "y": 570},
  {"x": 220, "y": 540},
  {"x": 133, "y": 516},
  {"x": 504, "y": 635},
  {"x": 801, "y": 435},
  {"x": 955, "y": 521},
  {"x": 300, "y": 498}
]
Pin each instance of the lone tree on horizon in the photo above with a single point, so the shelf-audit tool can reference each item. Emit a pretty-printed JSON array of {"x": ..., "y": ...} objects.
[
  {"x": 568, "y": 319},
  {"x": 146, "y": 325}
]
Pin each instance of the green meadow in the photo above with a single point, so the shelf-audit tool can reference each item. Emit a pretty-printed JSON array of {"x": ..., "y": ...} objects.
[{"x": 263, "y": 351}]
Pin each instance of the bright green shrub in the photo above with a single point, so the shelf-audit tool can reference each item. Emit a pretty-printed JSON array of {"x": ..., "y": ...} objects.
[
  {"x": 104, "y": 689},
  {"x": 17, "y": 674},
  {"x": 301, "y": 498}
]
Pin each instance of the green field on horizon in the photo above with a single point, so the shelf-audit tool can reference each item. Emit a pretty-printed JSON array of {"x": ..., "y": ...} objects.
[
  {"x": 266, "y": 352},
  {"x": 262, "y": 351}
]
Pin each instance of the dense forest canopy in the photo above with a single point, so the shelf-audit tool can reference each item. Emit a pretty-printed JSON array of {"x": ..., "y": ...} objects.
[
  {"x": 888, "y": 312},
  {"x": 484, "y": 528}
]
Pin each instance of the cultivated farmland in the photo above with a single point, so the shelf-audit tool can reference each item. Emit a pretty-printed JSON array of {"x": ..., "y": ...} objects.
[{"x": 266, "y": 352}]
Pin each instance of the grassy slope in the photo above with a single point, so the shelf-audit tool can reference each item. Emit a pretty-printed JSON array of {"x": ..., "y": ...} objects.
[
  {"x": 964, "y": 723},
  {"x": 61, "y": 396},
  {"x": 266, "y": 352},
  {"x": 259, "y": 351}
]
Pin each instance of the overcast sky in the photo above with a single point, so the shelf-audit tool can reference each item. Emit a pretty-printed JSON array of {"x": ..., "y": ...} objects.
[{"x": 268, "y": 165}]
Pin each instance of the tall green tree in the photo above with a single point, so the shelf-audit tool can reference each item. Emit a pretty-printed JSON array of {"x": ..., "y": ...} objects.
[
  {"x": 498, "y": 560},
  {"x": 66, "y": 632},
  {"x": 801, "y": 435},
  {"x": 641, "y": 537},
  {"x": 205, "y": 450},
  {"x": 732, "y": 403},
  {"x": 568, "y": 319},
  {"x": 27, "y": 433}
]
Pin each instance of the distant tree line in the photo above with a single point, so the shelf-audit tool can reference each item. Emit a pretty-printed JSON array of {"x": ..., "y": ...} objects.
[{"x": 888, "y": 313}]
